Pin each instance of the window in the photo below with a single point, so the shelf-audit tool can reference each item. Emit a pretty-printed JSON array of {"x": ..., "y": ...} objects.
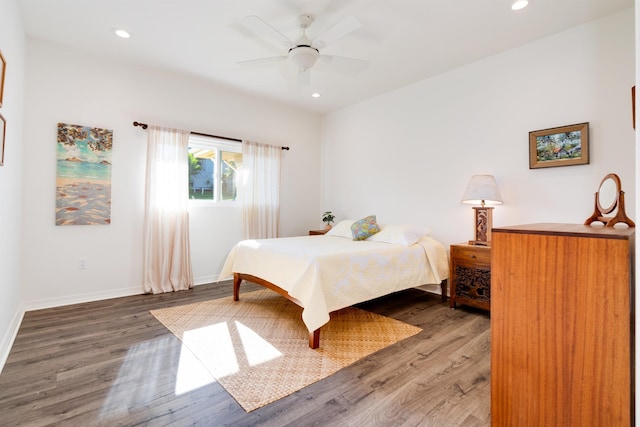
[{"x": 214, "y": 165}]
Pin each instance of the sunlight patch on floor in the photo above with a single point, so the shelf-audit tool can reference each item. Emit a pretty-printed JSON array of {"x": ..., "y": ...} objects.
[
  {"x": 213, "y": 347},
  {"x": 257, "y": 350},
  {"x": 192, "y": 374}
]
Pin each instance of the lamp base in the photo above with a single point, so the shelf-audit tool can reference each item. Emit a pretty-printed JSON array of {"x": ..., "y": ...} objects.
[{"x": 482, "y": 226}]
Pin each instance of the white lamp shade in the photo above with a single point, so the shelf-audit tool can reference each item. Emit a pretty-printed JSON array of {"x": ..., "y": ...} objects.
[{"x": 482, "y": 189}]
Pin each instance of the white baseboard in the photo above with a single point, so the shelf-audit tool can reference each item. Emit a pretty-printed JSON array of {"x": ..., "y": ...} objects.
[
  {"x": 80, "y": 298},
  {"x": 98, "y": 296},
  {"x": 10, "y": 336},
  {"x": 203, "y": 280}
]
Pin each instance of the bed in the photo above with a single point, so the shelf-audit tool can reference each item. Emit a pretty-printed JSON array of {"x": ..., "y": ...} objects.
[{"x": 326, "y": 273}]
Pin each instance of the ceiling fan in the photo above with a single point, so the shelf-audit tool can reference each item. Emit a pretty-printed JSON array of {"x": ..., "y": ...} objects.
[{"x": 304, "y": 52}]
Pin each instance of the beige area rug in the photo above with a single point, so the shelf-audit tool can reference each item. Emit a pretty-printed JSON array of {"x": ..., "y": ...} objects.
[{"x": 258, "y": 348}]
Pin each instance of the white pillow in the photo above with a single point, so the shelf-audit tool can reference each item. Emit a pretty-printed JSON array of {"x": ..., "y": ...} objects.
[
  {"x": 342, "y": 229},
  {"x": 403, "y": 234}
]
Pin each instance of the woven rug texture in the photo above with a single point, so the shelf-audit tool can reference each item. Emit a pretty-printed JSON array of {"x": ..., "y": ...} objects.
[{"x": 258, "y": 348}]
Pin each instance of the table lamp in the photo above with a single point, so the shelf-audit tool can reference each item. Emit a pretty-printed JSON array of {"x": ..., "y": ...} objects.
[{"x": 482, "y": 190}]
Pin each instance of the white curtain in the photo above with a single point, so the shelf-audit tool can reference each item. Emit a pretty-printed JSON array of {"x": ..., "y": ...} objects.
[
  {"x": 260, "y": 190},
  {"x": 167, "y": 260}
]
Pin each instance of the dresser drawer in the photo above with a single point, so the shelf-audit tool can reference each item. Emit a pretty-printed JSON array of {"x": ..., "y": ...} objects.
[{"x": 476, "y": 256}]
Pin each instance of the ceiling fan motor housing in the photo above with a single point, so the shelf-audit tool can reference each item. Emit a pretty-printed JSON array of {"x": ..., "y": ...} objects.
[{"x": 304, "y": 21}]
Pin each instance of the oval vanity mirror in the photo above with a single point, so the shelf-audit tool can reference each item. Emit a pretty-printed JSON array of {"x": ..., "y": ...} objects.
[
  {"x": 607, "y": 195},
  {"x": 608, "y": 198}
]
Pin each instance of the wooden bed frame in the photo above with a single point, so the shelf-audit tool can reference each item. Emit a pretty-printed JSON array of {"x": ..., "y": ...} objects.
[{"x": 314, "y": 336}]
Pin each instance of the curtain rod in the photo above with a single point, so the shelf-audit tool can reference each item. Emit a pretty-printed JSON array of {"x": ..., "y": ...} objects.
[{"x": 144, "y": 126}]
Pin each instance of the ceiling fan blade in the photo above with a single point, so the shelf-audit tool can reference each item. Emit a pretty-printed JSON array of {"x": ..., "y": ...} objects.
[
  {"x": 304, "y": 77},
  {"x": 343, "y": 63},
  {"x": 260, "y": 61},
  {"x": 335, "y": 32},
  {"x": 263, "y": 28}
]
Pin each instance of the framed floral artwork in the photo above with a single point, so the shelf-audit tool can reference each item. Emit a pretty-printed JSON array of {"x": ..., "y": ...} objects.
[{"x": 559, "y": 146}]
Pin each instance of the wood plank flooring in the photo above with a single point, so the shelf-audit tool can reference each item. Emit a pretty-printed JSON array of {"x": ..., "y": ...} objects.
[{"x": 110, "y": 363}]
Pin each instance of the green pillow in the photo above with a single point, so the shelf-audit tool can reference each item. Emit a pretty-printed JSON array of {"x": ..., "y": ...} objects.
[{"x": 364, "y": 228}]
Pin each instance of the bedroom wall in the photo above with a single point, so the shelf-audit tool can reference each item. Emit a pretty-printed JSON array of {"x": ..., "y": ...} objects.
[
  {"x": 77, "y": 87},
  {"x": 408, "y": 155},
  {"x": 12, "y": 44}
]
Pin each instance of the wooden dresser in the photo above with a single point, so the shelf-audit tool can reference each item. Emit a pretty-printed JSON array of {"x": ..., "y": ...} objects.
[{"x": 562, "y": 318}]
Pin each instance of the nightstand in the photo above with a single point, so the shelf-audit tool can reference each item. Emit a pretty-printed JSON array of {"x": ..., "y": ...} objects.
[
  {"x": 470, "y": 276},
  {"x": 317, "y": 232}
]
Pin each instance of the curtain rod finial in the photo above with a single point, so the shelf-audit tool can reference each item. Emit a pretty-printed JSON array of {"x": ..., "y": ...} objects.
[{"x": 142, "y": 125}]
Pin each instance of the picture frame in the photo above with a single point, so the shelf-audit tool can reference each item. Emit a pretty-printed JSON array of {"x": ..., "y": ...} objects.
[
  {"x": 3, "y": 128},
  {"x": 3, "y": 69},
  {"x": 559, "y": 146}
]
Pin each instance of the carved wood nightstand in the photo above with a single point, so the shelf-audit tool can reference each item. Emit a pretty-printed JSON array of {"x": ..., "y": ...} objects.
[
  {"x": 470, "y": 276},
  {"x": 317, "y": 232}
]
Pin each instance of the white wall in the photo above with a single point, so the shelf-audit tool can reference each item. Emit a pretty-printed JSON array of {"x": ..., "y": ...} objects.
[
  {"x": 12, "y": 44},
  {"x": 407, "y": 155},
  {"x": 78, "y": 87}
]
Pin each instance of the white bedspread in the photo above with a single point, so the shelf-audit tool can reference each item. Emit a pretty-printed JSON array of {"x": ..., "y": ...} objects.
[{"x": 327, "y": 273}]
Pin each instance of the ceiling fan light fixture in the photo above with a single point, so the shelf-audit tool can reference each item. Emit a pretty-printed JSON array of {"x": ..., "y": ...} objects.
[{"x": 303, "y": 56}]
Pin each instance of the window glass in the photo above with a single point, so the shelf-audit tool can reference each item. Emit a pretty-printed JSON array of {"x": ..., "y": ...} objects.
[
  {"x": 201, "y": 173},
  {"x": 214, "y": 169},
  {"x": 229, "y": 174}
]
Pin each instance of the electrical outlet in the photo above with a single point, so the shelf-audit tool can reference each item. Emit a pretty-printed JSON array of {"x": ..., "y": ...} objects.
[{"x": 82, "y": 263}]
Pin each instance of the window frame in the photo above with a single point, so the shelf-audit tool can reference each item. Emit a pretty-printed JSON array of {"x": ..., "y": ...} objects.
[{"x": 218, "y": 145}]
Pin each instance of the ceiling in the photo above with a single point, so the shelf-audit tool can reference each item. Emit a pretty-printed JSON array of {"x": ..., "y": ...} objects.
[{"x": 404, "y": 40}]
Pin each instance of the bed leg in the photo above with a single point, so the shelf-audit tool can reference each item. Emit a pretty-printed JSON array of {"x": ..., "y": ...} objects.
[
  {"x": 443, "y": 290},
  {"x": 236, "y": 286},
  {"x": 314, "y": 338}
]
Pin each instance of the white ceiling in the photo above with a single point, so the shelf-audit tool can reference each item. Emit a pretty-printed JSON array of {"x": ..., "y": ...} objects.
[{"x": 404, "y": 40}]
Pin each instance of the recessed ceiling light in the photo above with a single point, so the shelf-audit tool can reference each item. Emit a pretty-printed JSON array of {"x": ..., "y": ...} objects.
[
  {"x": 519, "y": 4},
  {"x": 121, "y": 33},
  {"x": 315, "y": 95}
]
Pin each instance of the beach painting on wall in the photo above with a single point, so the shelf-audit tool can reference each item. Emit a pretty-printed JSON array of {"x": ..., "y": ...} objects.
[{"x": 83, "y": 182}]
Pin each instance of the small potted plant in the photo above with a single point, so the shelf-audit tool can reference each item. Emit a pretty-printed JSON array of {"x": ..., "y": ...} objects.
[{"x": 328, "y": 218}]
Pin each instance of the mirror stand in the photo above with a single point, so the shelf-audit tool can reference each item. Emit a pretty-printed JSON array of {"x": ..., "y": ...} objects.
[{"x": 616, "y": 201}]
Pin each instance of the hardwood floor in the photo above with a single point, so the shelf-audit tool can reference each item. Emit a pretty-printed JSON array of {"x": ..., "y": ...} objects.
[{"x": 110, "y": 363}]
